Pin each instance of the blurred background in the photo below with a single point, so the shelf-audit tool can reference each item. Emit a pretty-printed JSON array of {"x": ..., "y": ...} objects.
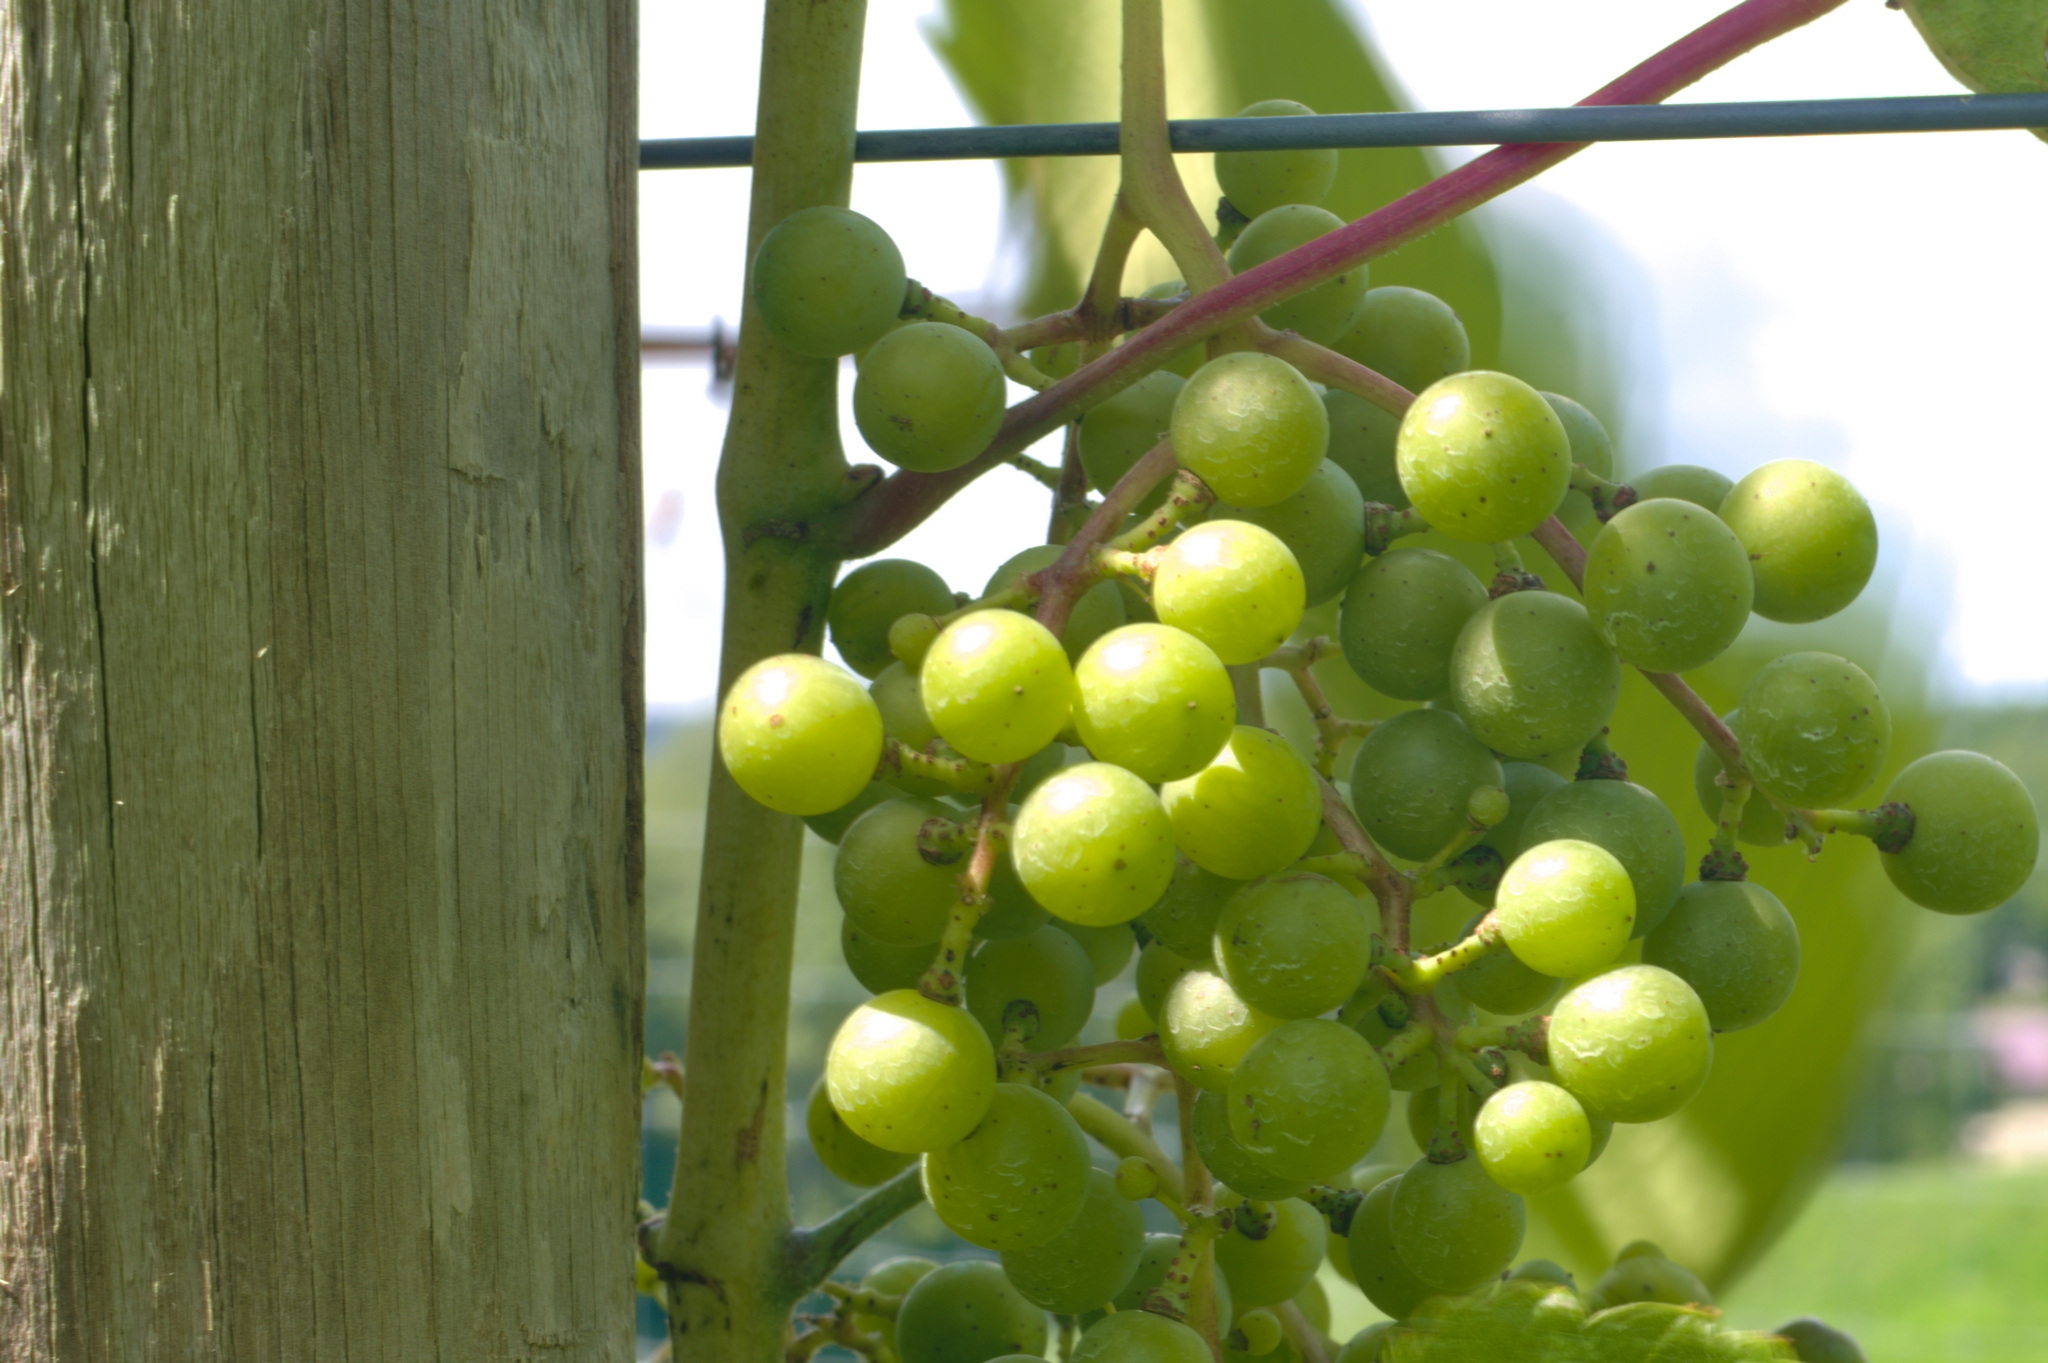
[{"x": 1877, "y": 1154}]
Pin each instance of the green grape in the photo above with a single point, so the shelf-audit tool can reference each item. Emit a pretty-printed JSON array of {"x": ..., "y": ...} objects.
[
  {"x": 846, "y": 1156},
  {"x": 1401, "y": 618},
  {"x": 873, "y": 597},
  {"x": 1421, "y": 766},
  {"x": 1047, "y": 970},
  {"x": 967, "y": 1312},
  {"x": 1532, "y": 1137},
  {"x": 1313, "y": 1304},
  {"x": 1251, "y": 426},
  {"x": 828, "y": 282},
  {"x": 1228, "y": 1160},
  {"x": 1733, "y": 942},
  {"x": 1138, "y": 1337},
  {"x": 1233, "y": 585},
  {"x": 1531, "y": 675},
  {"x": 1975, "y": 833},
  {"x": 1252, "y": 811},
  {"x": 832, "y": 825},
  {"x": 1308, "y": 1099},
  {"x": 1322, "y": 525},
  {"x": 1683, "y": 482},
  {"x": 1119, "y": 432},
  {"x": 1109, "y": 949},
  {"x": 1813, "y": 1342},
  {"x": 1380, "y": 1272},
  {"x": 1814, "y": 730},
  {"x": 1011, "y": 912},
  {"x": 1015, "y": 1181},
  {"x": 1256, "y": 181},
  {"x": 1526, "y": 784},
  {"x": 1132, "y": 1021},
  {"x": 1425, "y": 1110},
  {"x": 1093, "y": 845},
  {"x": 899, "y": 698},
  {"x": 1265, "y": 1272},
  {"x": 1762, "y": 825},
  {"x": 1452, "y": 1225},
  {"x": 800, "y": 735},
  {"x": 909, "y": 1074},
  {"x": 1159, "y": 966},
  {"x": 1040, "y": 767},
  {"x": 997, "y": 686},
  {"x": 1364, "y": 1347},
  {"x": 1578, "y": 516},
  {"x": 1668, "y": 585},
  {"x": 1378, "y": 1016},
  {"x": 889, "y": 891},
  {"x": 882, "y": 966},
  {"x": 1412, "y": 337},
  {"x": 1155, "y": 700},
  {"x": 1483, "y": 457},
  {"x": 1153, "y": 1262},
  {"x": 1362, "y": 444},
  {"x": 1565, "y": 907},
  {"x": 1056, "y": 361},
  {"x": 929, "y": 397},
  {"x": 1543, "y": 1271},
  {"x": 891, "y": 1278},
  {"x": 1205, "y": 1029},
  {"x": 1632, "y": 824},
  {"x": 1585, "y": 437},
  {"x": 1195, "y": 356},
  {"x": 1603, "y": 1131},
  {"x": 1500, "y": 983},
  {"x": 1810, "y": 537},
  {"x": 1650, "y": 1277},
  {"x": 1090, "y": 1261},
  {"x": 1100, "y": 609},
  {"x": 1185, "y": 916},
  {"x": 1323, "y": 312},
  {"x": 1632, "y": 1045},
  {"x": 1293, "y": 945}
]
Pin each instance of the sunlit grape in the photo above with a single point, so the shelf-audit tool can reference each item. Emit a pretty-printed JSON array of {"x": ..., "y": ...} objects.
[
  {"x": 799, "y": 734},
  {"x": 909, "y": 1074},
  {"x": 1483, "y": 457},
  {"x": 1526, "y": 784},
  {"x": 1813, "y": 728},
  {"x": 997, "y": 686},
  {"x": 1322, "y": 525},
  {"x": 1252, "y": 811},
  {"x": 828, "y": 281},
  {"x": 1632, "y": 824},
  {"x": 1975, "y": 833},
  {"x": 1205, "y": 1028},
  {"x": 1532, "y": 1137},
  {"x": 1093, "y": 845},
  {"x": 1159, "y": 966},
  {"x": 1810, "y": 536},
  {"x": 1251, "y": 426},
  {"x": 1735, "y": 944},
  {"x": 1632, "y": 1045},
  {"x": 1155, "y": 700},
  {"x": 1565, "y": 907},
  {"x": 1233, "y": 585}
]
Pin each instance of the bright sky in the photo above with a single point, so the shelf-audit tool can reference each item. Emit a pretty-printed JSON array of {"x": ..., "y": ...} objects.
[{"x": 1875, "y": 303}]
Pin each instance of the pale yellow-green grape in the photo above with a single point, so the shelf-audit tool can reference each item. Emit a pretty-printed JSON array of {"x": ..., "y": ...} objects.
[
  {"x": 1228, "y": 1160},
  {"x": 1015, "y": 1181},
  {"x": 1159, "y": 966},
  {"x": 1668, "y": 585},
  {"x": 1418, "y": 770},
  {"x": 1185, "y": 916},
  {"x": 1100, "y": 609},
  {"x": 1308, "y": 1100},
  {"x": 1402, "y": 615},
  {"x": 799, "y": 734},
  {"x": 967, "y": 1312},
  {"x": 1412, "y": 337},
  {"x": 1322, "y": 525},
  {"x": 1565, "y": 907},
  {"x": 882, "y": 966},
  {"x": 1257, "y": 181},
  {"x": 1322, "y": 313},
  {"x": 1685, "y": 482},
  {"x": 1269, "y": 1270},
  {"x": 1119, "y": 432},
  {"x": 1251, "y": 426},
  {"x": 1810, "y": 536},
  {"x": 908, "y": 1074},
  {"x": 1631, "y": 1045},
  {"x": 997, "y": 686},
  {"x": 1155, "y": 700},
  {"x": 1047, "y": 970},
  {"x": 885, "y": 885},
  {"x": 828, "y": 281},
  {"x": 1532, "y": 677},
  {"x": 1452, "y": 1225},
  {"x": 1975, "y": 833},
  {"x": 1762, "y": 824},
  {"x": 1109, "y": 948},
  {"x": 1483, "y": 456},
  {"x": 1205, "y": 1029},
  {"x": 1587, "y": 439},
  {"x": 1532, "y": 1137},
  {"x": 1233, "y": 585},
  {"x": 929, "y": 397},
  {"x": 1293, "y": 945},
  {"x": 1631, "y": 823},
  {"x": 1735, "y": 944},
  {"x": 1362, "y": 444},
  {"x": 1090, "y": 1261},
  {"x": 875, "y": 596},
  {"x": 1813, "y": 728},
  {"x": 1093, "y": 845},
  {"x": 1139, "y": 1337},
  {"x": 845, "y": 1155},
  {"x": 1376, "y": 1267},
  {"x": 1252, "y": 811}
]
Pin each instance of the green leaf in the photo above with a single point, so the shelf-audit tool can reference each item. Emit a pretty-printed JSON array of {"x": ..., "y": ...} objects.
[
  {"x": 1537, "y": 1323},
  {"x": 1990, "y": 46}
]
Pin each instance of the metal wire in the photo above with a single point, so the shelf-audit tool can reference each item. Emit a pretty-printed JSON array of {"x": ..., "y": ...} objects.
[{"x": 1484, "y": 127}]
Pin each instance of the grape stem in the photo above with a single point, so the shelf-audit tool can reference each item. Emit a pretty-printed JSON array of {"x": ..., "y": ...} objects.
[
  {"x": 1120, "y": 1136},
  {"x": 1174, "y": 1294},
  {"x": 1188, "y": 500},
  {"x": 1723, "y": 861},
  {"x": 1070, "y": 497},
  {"x": 666, "y": 1072},
  {"x": 1388, "y": 886},
  {"x": 826, "y": 1331},
  {"x": 1419, "y": 975},
  {"x": 1607, "y": 497},
  {"x": 1890, "y": 826},
  {"x": 1046, "y": 474},
  {"x": 941, "y": 982},
  {"x": 1327, "y": 367},
  {"x": 1142, "y": 1051},
  {"x": 1307, "y": 1340},
  {"x": 1384, "y": 524},
  {"x": 1331, "y": 729},
  {"x": 1407, "y": 1043},
  {"x": 812, "y": 1252},
  {"x": 1151, "y": 185},
  {"x": 1531, "y": 1037},
  {"x": 921, "y": 304},
  {"x": 960, "y": 773},
  {"x": 1076, "y": 569},
  {"x": 862, "y": 1300},
  {"x": 1450, "y": 852},
  {"x": 1339, "y": 1206}
]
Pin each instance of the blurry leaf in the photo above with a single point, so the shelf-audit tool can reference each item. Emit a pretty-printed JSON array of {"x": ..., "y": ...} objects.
[
  {"x": 1530, "y": 1323},
  {"x": 1991, "y": 46}
]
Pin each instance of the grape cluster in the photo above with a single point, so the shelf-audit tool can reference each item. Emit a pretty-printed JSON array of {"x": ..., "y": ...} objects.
[{"x": 1052, "y": 784}]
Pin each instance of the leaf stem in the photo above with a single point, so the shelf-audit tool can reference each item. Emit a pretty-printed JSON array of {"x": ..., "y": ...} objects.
[
  {"x": 1327, "y": 367},
  {"x": 1388, "y": 886},
  {"x": 812, "y": 1252},
  {"x": 1061, "y": 585},
  {"x": 1120, "y": 1136}
]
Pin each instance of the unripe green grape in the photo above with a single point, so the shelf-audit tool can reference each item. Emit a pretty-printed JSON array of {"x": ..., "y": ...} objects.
[
  {"x": 1425, "y": 1110},
  {"x": 832, "y": 825},
  {"x": 1265, "y": 1272},
  {"x": 1632, "y": 824},
  {"x": 1814, "y": 730},
  {"x": 1195, "y": 356},
  {"x": 799, "y": 734},
  {"x": 1813, "y": 1342},
  {"x": 1401, "y": 618},
  {"x": 1309, "y": 1099},
  {"x": 1412, "y": 337},
  {"x": 967, "y": 1312},
  {"x": 909, "y": 1074},
  {"x": 1089, "y": 1262},
  {"x": 1155, "y": 700},
  {"x": 1251, "y": 426},
  {"x": 1362, "y": 444},
  {"x": 1631, "y": 1045},
  {"x": 1233, "y": 585},
  {"x": 1100, "y": 609},
  {"x": 1185, "y": 916},
  {"x": 1047, "y": 970},
  {"x": 845, "y": 1155},
  {"x": 1577, "y": 515},
  {"x": 1228, "y": 1160},
  {"x": 891, "y": 1278},
  {"x": 1483, "y": 457},
  {"x": 1810, "y": 537},
  {"x": 1139, "y": 1337},
  {"x": 1322, "y": 525},
  {"x": 1421, "y": 767},
  {"x": 1011, "y": 911},
  {"x": 929, "y": 397},
  {"x": 828, "y": 281},
  {"x": 882, "y": 966},
  {"x": 1762, "y": 825},
  {"x": 1683, "y": 482},
  {"x": 1323, "y": 312},
  {"x": 1586, "y": 439},
  {"x": 1532, "y": 1137},
  {"x": 1122, "y": 430},
  {"x": 1109, "y": 949},
  {"x": 900, "y": 700},
  {"x": 1668, "y": 585},
  {"x": 1603, "y": 1131},
  {"x": 1293, "y": 945},
  {"x": 1452, "y": 1225},
  {"x": 1015, "y": 1181},
  {"x": 911, "y": 637},
  {"x": 1975, "y": 833},
  {"x": 1093, "y": 845},
  {"x": 1159, "y": 966},
  {"x": 1735, "y": 944},
  {"x": 1256, "y": 181},
  {"x": 1527, "y": 785},
  {"x": 1311, "y": 1302},
  {"x": 875, "y": 596},
  {"x": 1531, "y": 676},
  {"x": 886, "y": 886},
  {"x": 1380, "y": 1272},
  {"x": 1132, "y": 1021},
  {"x": 1364, "y": 1347},
  {"x": 1565, "y": 907},
  {"x": 997, "y": 686},
  {"x": 1205, "y": 1029},
  {"x": 1252, "y": 811},
  {"x": 1501, "y": 984},
  {"x": 1651, "y": 1278},
  {"x": 1639, "y": 1249},
  {"x": 1379, "y": 1016},
  {"x": 1153, "y": 1262}
]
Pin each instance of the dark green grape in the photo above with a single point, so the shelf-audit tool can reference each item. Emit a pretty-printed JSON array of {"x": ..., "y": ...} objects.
[
  {"x": 1531, "y": 676},
  {"x": 1293, "y": 945},
  {"x": 1100, "y": 609},
  {"x": 1093, "y": 845},
  {"x": 1251, "y": 426},
  {"x": 846, "y": 1156},
  {"x": 1420, "y": 768},
  {"x": 828, "y": 281},
  {"x": 1813, "y": 1342},
  {"x": 1185, "y": 916},
  {"x": 1543, "y": 1271},
  {"x": 1380, "y": 1272},
  {"x": 1668, "y": 585},
  {"x": 1633, "y": 1044},
  {"x": 900, "y": 698},
  {"x": 1263, "y": 1272},
  {"x": 909, "y": 1074},
  {"x": 1483, "y": 457},
  {"x": 1733, "y": 942},
  {"x": 967, "y": 1312},
  {"x": 1364, "y": 1347},
  {"x": 1257, "y": 181},
  {"x": 891, "y": 1278},
  {"x": 1155, "y": 700},
  {"x": 1139, "y": 1337},
  {"x": 1685, "y": 482},
  {"x": 1452, "y": 1225},
  {"x": 1501, "y": 984},
  {"x": 1119, "y": 432},
  {"x": 1532, "y": 1137},
  {"x": 799, "y": 734},
  {"x": 1401, "y": 618},
  {"x": 1322, "y": 525},
  {"x": 832, "y": 826},
  {"x": 1011, "y": 912},
  {"x": 871, "y": 598},
  {"x": 1313, "y": 1304},
  {"x": 1412, "y": 337},
  {"x": 1527, "y": 785},
  {"x": 1309, "y": 1099},
  {"x": 1975, "y": 833},
  {"x": 1632, "y": 824},
  {"x": 929, "y": 397},
  {"x": 1109, "y": 949},
  {"x": 1323, "y": 312},
  {"x": 1813, "y": 728},
  {"x": 1153, "y": 1262},
  {"x": 1650, "y": 1277},
  {"x": 883, "y": 966},
  {"x": 997, "y": 686},
  {"x": 888, "y": 889},
  {"x": 1159, "y": 967},
  {"x": 1234, "y": 586},
  {"x": 1762, "y": 825},
  {"x": 1252, "y": 811},
  {"x": 1425, "y": 1110},
  {"x": 1231, "y": 1162},
  {"x": 1089, "y": 1262},
  {"x": 1362, "y": 444},
  {"x": 1810, "y": 535},
  {"x": 1205, "y": 1029},
  {"x": 1047, "y": 970},
  {"x": 1587, "y": 439},
  {"x": 1015, "y": 1181}
]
